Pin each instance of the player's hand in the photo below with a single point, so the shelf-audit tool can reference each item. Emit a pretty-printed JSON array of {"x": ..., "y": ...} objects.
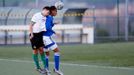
[
  {"x": 31, "y": 36},
  {"x": 57, "y": 23},
  {"x": 58, "y": 35}
]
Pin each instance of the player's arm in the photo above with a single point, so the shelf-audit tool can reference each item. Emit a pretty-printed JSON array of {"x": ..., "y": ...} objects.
[
  {"x": 32, "y": 23},
  {"x": 49, "y": 24},
  {"x": 31, "y": 29}
]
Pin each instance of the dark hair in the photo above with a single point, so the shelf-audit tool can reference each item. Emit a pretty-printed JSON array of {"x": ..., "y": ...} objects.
[
  {"x": 46, "y": 7},
  {"x": 52, "y": 8}
]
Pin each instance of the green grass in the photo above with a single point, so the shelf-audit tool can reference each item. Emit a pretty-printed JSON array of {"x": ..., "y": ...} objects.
[
  {"x": 111, "y": 54},
  {"x": 108, "y": 54},
  {"x": 24, "y": 68}
]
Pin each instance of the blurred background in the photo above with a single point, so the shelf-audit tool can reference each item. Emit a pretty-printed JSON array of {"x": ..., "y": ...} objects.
[
  {"x": 96, "y": 36},
  {"x": 111, "y": 20}
]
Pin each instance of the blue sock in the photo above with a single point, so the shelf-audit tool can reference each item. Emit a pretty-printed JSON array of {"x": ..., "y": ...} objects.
[
  {"x": 57, "y": 60},
  {"x": 47, "y": 62}
]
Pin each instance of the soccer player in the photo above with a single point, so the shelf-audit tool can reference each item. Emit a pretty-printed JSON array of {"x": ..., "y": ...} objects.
[
  {"x": 50, "y": 44},
  {"x": 36, "y": 39}
]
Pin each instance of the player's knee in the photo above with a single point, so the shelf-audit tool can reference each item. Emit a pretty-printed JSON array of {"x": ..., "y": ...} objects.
[
  {"x": 56, "y": 50},
  {"x": 47, "y": 53},
  {"x": 35, "y": 51},
  {"x": 41, "y": 51}
]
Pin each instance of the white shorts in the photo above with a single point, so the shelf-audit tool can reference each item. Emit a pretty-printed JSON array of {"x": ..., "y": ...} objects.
[{"x": 49, "y": 43}]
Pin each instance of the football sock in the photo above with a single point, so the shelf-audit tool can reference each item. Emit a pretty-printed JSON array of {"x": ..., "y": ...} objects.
[
  {"x": 47, "y": 62},
  {"x": 36, "y": 61},
  {"x": 57, "y": 60},
  {"x": 43, "y": 59}
]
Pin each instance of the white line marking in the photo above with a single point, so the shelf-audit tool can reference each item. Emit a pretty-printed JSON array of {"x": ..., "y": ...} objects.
[{"x": 68, "y": 64}]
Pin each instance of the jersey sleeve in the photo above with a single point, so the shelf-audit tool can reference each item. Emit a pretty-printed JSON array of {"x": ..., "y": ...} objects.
[{"x": 34, "y": 18}]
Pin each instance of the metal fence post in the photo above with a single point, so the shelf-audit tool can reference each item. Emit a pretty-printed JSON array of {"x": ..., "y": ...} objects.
[
  {"x": 94, "y": 22},
  {"x": 63, "y": 36},
  {"x": 81, "y": 36},
  {"x": 6, "y": 32},
  {"x": 126, "y": 20},
  {"x": 118, "y": 20},
  {"x": 25, "y": 22}
]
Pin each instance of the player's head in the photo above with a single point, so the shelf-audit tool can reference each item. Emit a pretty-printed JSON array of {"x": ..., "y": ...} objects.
[
  {"x": 45, "y": 11},
  {"x": 53, "y": 11}
]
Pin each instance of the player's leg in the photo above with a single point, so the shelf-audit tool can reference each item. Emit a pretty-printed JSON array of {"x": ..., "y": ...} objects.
[
  {"x": 56, "y": 58},
  {"x": 47, "y": 43},
  {"x": 47, "y": 59},
  {"x": 57, "y": 61},
  {"x": 51, "y": 45},
  {"x": 41, "y": 48},
  {"x": 35, "y": 58},
  {"x": 35, "y": 46},
  {"x": 35, "y": 52},
  {"x": 42, "y": 56},
  {"x": 36, "y": 61},
  {"x": 56, "y": 50},
  {"x": 46, "y": 50},
  {"x": 47, "y": 63}
]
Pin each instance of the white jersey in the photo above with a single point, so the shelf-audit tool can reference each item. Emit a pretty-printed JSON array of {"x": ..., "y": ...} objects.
[{"x": 40, "y": 21}]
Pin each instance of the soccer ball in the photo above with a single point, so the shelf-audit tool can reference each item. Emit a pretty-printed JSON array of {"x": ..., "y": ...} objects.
[{"x": 59, "y": 5}]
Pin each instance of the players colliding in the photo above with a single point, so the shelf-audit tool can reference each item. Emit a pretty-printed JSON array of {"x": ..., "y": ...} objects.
[{"x": 41, "y": 40}]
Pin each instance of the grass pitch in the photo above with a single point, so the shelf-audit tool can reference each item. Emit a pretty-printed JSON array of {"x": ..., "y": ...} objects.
[{"x": 98, "y": 59}]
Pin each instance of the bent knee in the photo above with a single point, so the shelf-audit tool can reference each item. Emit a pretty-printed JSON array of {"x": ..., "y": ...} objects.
[
  {"x": 35, "y": 51},
  {"x": 41, "y": 51},
  {"x": 56, "y": 50},
  {"x": 47, "y": 53}
]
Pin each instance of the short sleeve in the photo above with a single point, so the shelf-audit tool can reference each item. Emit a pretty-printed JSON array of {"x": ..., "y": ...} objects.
[{"x": 34, "y": 18}]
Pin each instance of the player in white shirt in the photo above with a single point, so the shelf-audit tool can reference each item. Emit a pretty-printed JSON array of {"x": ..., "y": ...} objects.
[{"x": 36, "y": 29}]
